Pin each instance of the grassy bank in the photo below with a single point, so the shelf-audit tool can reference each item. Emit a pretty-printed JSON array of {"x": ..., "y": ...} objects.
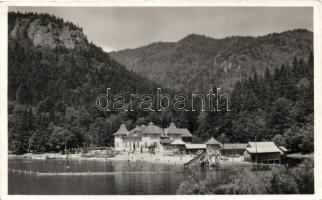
[{"x": 279, "y": 180}]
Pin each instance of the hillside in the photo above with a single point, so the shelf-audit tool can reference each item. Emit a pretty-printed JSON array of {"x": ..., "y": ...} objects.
[
  {"x": 198, "y": 62},
  {"x": 47, "y": 55},
  {"x": 54, "y": 77}
]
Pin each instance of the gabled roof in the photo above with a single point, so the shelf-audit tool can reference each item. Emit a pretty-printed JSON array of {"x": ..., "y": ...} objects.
[
  {"x": 195, "y": 146},
  {"x": 213, "y": 141},
  {"x": 185, "y": 132},
  {"x": 173, "y": 130},
  {"x": 122, "y": 131},
  {"x": 151, "y": 129},
  {"x": 235, "y": 146},
  {"x": 262, "y": 147}
]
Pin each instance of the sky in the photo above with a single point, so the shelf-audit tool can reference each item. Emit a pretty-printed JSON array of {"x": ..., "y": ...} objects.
[{"x": 116, "y": 28}]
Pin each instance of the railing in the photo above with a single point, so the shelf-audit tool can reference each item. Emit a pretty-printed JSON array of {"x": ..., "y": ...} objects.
[{"x": 194, "y": 159}]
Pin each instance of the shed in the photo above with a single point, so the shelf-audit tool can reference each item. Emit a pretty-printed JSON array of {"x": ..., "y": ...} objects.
[
  {"x": 233, "y": 149},
  {"x": 263, "y": 152},
  {"x": 213, "y": 146}
]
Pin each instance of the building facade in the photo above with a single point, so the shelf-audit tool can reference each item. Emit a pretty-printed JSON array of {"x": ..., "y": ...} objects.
[
  {"x": 144, "y": 138},
  {"x": 263, "y": 152}
]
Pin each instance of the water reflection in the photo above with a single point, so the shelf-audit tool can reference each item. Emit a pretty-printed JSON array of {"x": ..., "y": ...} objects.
[{"x": 127, "y": 183}]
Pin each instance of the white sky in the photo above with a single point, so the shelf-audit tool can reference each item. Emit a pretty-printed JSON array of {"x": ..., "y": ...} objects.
[{"x": 124, "y": 27}]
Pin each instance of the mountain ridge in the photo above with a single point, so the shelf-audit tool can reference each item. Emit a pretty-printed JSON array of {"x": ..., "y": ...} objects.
[{"x": 221, "y": 61}]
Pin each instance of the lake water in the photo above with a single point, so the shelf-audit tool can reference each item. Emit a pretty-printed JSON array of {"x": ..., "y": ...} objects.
[{"x": 118, "y": 183}]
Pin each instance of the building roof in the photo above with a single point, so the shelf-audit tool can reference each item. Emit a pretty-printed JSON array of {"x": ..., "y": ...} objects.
[
  {"x": 235, "y": 146},
  {"x": 178, "y": 142},
  {"x": 213, "y": 141},
  {"x": 173, "y": 130},
  {"x": 283, "y": 148},
  {"x": 185, "y": 132},
  {"x": 136, "y": 130},
  {"x": 195, "y": 146},
  {"x": 122, "y": 131},
  {"x": 166, "y": 141},
  {"x": 142, "y": 127},
  {"x": 151, "y": 129},
  {"x": 262, "y": 147}
]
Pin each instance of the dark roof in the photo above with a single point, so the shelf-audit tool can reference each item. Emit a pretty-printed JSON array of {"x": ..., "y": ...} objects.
[
  {"x": 122, "y": 130},
  {"x": 235, "y": 146},
  {"x": 185, "y": 132},
  {"x": 152, "y": 129}
]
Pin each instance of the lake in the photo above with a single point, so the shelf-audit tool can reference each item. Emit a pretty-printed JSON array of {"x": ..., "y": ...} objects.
[{"x": 165, "y": 182}]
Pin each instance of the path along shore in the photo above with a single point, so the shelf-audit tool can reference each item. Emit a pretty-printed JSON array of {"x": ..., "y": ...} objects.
[{"x": 136, "y": 157}]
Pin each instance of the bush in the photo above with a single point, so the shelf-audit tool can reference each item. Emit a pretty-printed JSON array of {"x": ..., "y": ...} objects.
[
  {"x": 298, "y": 180},
  {"x": 304, "y": 177},
  {"x": 282, "y": 182},
  {"x": 247, "y": 182}
]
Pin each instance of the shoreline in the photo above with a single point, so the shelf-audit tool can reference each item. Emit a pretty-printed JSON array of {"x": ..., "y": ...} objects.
[
  {"x": 144, "y": 157},
  {"x": 136, "y": 157}
]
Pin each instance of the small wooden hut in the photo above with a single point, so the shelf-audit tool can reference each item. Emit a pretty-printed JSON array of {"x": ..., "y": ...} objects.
[{"x": 213, "y": 146}]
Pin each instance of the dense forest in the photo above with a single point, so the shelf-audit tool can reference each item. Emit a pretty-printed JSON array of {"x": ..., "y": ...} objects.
[{"x": 55, "y": 75}]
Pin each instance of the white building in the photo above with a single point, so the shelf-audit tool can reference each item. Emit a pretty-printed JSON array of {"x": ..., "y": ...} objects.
[{"x": 142, "y": 138}]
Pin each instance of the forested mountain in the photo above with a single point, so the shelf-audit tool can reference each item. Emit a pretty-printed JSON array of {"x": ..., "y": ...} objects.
[
  {"x": 199, "y": 62},
  {"x": 55, "y": 75}
]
